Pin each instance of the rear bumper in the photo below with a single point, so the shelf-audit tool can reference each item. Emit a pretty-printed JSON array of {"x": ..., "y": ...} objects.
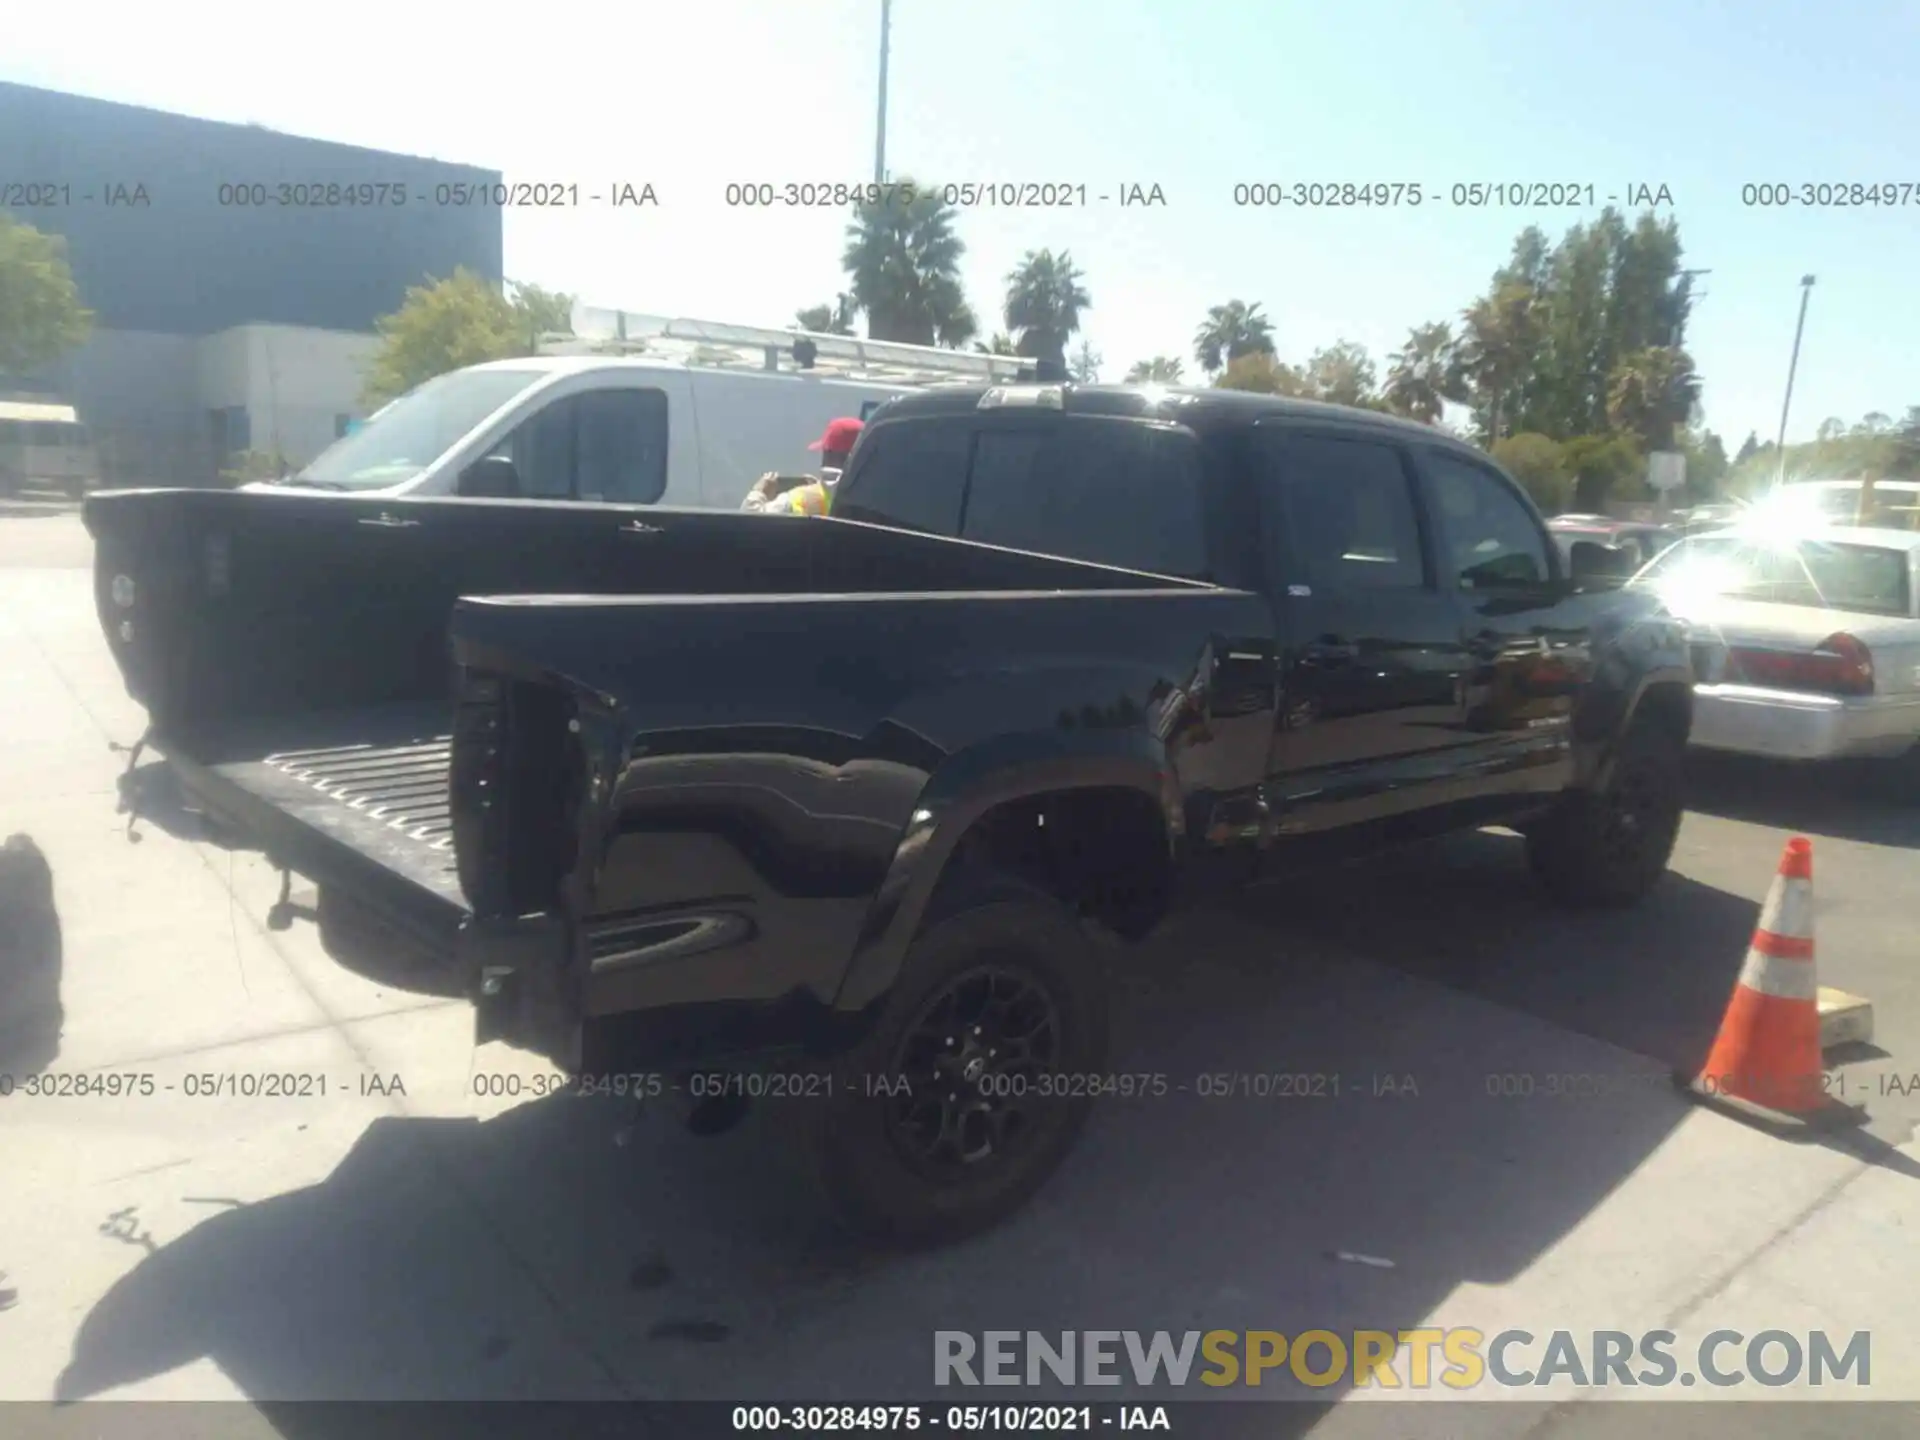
[{"x": 1788, "y": 725}]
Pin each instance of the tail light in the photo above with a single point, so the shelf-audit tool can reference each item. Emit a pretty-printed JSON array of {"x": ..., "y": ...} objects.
[{"x": 1839, "y": 665}]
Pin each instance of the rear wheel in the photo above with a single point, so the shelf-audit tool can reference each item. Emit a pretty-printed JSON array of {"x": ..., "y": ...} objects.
[
  {"x": 971, "y": 1087},
  {"x": 1609, "y": 846}
]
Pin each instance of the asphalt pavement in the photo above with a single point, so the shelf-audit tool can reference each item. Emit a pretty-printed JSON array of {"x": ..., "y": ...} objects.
[{"x": 412, "y": 1226}]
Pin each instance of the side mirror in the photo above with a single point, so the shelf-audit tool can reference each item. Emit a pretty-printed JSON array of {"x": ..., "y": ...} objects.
[
  {"x": 1598, "y": 565},
  {"x": 493, "y": 478}
]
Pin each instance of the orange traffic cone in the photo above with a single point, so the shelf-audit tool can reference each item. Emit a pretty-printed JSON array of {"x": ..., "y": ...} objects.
[{"x": 1766, "y": 1064}]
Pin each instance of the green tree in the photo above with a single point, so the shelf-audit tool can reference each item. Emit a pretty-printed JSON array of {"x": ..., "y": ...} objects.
[
  {"x": 1085, "y": 367},
  {"x": 545, "y": 312},
  {"x": 462, "y": 320},
  {"x": 1831, "y": 428},
  {"x": 41, "y": 317},
  {"x": 833, "y": 319},
  {"x": 1343, "y": 374},
  {"x": 1230, "y": 332},
  {"x": 1044, "y": 301},
  {"x": 1874, "y": 423},
  {"x": 1262, "y": 374},
  {"x": 1602, "y": 466},
  {"x": 1606, "y": 293},
  {"x": 1538, "y": 463},
  {"x": 1651, "y": 395},
  {"x": 1000, "y": 344},
  {"x": 1748, "y": 447},
  {"x": 903, "y": 262},
  {"x": 1707, "y": 465},
  {"x": 1906, "y": 445},
  {"x": 1424, "y": 373},
  {"x": 1161, "y": 370},
  {"x": 1498, "y": 353}
]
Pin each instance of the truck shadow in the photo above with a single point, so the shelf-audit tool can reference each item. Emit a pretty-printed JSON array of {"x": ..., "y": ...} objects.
[
  {"x": 1845, "y": 801},
  {"x": 532, "y": 1256},
  {"x": 1654, "y": 978},
  {"x": 31, "y": 961}
]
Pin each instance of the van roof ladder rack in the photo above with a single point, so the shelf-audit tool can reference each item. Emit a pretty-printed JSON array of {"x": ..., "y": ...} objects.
[{"x": 712, "y": 343}]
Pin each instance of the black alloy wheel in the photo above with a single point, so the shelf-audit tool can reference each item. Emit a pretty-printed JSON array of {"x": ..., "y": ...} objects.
[{"x": 976, "y": 1060}]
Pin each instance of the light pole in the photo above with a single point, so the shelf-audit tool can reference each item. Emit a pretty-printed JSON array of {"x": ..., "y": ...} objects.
[
  {"x": 880, "y": 128},
  {"x": 1806, "y": 289}
]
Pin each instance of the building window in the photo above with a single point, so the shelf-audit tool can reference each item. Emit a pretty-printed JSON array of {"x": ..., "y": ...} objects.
[{"x": 230, "y": 429}]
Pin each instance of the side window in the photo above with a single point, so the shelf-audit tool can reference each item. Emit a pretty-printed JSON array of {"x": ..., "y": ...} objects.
[
  {"x": 1115, "y": 492},
  {"x": 620, "y": 446},
  {"x": 1491, "y": 538},
  {"x": 910, "y": 476},
  {"x": 1347, "y": 509},
  {"x": 541, "y": 448}
]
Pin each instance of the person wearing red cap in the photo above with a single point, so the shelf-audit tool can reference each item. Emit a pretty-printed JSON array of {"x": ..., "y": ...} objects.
[{"x": 776, "y": 494}]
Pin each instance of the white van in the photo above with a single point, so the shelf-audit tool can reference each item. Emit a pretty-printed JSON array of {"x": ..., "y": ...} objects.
[
  {"x": 667, "y": 412},
  {"x": 43, "y": 446}
]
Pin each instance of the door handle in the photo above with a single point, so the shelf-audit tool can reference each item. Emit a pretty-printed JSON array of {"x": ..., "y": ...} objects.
[
  {"x": 1329, "y": 652},
  {"x": 386, "y": 521},
  {"x": 640, "y": 527}
]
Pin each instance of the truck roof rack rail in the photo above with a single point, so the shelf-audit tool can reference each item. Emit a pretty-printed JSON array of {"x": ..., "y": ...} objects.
[{"x": 598, "y": 331}]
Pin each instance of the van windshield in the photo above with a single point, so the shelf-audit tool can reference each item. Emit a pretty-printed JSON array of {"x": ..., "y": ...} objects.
[{"x": 400, "y": 441}]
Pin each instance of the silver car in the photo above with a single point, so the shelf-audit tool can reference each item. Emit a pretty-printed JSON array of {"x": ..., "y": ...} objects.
[{"x": 1805, "y": 644}]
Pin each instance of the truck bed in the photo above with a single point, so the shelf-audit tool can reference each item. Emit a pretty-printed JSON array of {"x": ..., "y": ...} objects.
[{"x": 355, "y": 796}]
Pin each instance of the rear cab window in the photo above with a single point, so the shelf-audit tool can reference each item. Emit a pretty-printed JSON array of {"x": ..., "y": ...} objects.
[
  {"x": 1112, "y": 490},
  {"x": 911, "y": 475}
]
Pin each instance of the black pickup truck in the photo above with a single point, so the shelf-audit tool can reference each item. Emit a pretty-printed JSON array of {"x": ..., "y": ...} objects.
[{"x": 836, "y": 803}]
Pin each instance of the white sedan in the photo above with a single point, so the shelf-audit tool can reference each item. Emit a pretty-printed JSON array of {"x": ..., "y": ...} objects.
[{"x": 1806, "y": 645}]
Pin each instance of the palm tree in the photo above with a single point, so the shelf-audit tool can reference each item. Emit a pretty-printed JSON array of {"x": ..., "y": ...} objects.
[
  {"x": 1231, "y": 331},
  {"x": 1001, "y": 344},
  {"x": 1087, "y": 361},
  {"x": 1161, "y": 370},
  {"x": 1424, "y": 373},
  {"x": 1498, "y": 351},
  {"x": 903, "y": 259},
  {"x": 834, "y": 319},
  {"x": 1044, "y": 301}
]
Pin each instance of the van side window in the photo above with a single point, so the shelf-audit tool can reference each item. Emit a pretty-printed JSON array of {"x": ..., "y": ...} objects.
[
  {"x": 911, "y": 477},
  {"x": 620, "y": 446},
  {"x": 1112, "y": 491},
  {"x": 541, "y": 448},
  {"x": 600, "y": 445}
]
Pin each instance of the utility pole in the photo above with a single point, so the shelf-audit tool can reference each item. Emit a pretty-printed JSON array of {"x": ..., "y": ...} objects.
[
  {"x": 1806, "y": 289},
  {"x": 880, "y": 128}
]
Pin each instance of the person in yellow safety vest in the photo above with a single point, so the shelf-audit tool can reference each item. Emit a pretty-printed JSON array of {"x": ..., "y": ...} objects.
[{"x": 776, "y": 494}]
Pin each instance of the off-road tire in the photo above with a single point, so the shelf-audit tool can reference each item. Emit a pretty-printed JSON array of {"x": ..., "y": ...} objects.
[
  {"x": 852, "y": 1149},
  {"x": 1608, "y": 847}
]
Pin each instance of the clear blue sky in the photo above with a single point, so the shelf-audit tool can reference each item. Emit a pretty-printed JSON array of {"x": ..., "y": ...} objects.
[{"x": 1192, "y": 95}]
